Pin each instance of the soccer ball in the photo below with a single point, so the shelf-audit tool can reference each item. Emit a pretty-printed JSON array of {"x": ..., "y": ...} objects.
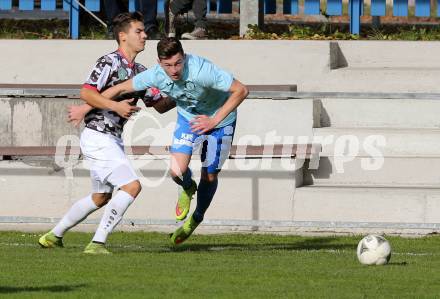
[{"x": 374, "y": 250}]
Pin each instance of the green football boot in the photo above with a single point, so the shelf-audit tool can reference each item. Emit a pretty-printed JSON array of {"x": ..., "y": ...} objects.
[
  {"x": 184, "y": 201},
  {"x": 183, "y": 232},
  {"x": 49, "y": 240},
  {"x": 96, "y": 248}
]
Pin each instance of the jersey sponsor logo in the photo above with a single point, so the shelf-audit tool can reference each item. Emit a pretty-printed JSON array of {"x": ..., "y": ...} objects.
[
  {"x": 182, "y": 142},
  {"x": 189, "y": 85},
  {"x": 186, "y": 136},
  {"x": 122, "y": 74}
]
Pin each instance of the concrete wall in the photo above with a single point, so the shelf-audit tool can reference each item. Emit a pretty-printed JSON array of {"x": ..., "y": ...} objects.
[
  {"x": 359, "y": 66},
  {"x": 34, "y": 121},
  {"x": 253, "y": 62},
  {"x": 35, "y": 188},
  {"x": 340, "y": 195}
]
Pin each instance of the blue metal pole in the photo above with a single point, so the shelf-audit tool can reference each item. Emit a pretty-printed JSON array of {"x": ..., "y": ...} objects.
[
  {"x": 355, "y": 16},
  {"x": 74, "y": 19}
]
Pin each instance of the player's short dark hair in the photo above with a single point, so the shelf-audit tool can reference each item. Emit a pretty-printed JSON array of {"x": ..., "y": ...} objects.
[
  {"x": 168, "y": 47},
  {"x": 121, "y": 23}
]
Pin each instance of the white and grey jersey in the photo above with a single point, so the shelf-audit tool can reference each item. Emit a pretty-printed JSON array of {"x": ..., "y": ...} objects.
[{"x": 110, "y": 70}]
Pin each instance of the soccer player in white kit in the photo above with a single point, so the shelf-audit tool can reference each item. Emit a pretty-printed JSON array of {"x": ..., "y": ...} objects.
[{"x": 101, "y": 142}]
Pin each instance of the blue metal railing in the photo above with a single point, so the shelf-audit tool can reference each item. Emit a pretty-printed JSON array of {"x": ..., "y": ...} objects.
[{"x": 290, "y": 7}]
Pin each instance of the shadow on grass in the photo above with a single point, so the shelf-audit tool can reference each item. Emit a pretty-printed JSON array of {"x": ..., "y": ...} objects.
[
  {"x": 308, "y": 244},
  {"x": 398, "y": 264},
  {"x": 52, "y": 289}
]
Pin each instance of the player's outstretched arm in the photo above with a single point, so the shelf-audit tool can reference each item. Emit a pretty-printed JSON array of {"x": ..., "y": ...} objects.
[
  {"x": 119, "y": 89},
  {"x": 204, "y": 123},
  {"x": 103, "y": 101},
  {"x": 76, "y": 113}
]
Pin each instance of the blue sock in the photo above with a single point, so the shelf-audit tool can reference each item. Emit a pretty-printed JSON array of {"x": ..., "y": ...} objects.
[
  {"x": 205, "y": 193},
  {"x": 185, "y": 180}
]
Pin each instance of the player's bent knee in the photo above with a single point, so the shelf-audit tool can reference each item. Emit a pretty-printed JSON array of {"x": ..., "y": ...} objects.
[
  {"x": 133, "y": 188},
  {"x": 173, "y": 174},
  {"x": 177, "y": 172},
  {"x": 101, "y": 199},
  {"x": 209, "y": 177},
  {"x": 179, "y": 164}
]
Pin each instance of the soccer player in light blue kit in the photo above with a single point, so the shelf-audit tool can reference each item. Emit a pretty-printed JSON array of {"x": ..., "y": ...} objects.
[{"x": 206, "y": 98}]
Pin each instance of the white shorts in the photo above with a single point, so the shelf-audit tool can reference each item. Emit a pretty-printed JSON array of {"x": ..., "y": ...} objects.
[{"x": 108, "y": 164}]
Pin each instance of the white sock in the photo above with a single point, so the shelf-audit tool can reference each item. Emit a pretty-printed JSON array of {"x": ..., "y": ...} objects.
[
  {"x": 113, "y": 213},
  {"x": 77, "y": 213}
]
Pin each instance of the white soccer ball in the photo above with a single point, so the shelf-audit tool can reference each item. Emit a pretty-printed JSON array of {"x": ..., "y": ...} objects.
[{"x": 374, "y": 250}]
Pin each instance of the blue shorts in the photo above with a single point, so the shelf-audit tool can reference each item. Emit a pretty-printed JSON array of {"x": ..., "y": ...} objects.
[{"x": 215, "y": 145}]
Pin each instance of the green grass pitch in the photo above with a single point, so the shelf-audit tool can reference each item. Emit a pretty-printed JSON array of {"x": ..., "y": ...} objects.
[{"x": 143, "y": 265}]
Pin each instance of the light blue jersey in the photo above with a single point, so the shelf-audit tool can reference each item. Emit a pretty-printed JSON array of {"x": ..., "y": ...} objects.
[{"x": 202, "y": 90}]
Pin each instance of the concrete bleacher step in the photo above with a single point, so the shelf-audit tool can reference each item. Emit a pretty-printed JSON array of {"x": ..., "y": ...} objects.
[
  {"x": 368, "y": 112},
  {"x": 364, "y": 171},
  {"x": 378, "y": 79},
  {"x": 362, "y": 204},
  {"x": 350, "y": 156},
  {"x": 398, "y": 142},
  {"x": 246, "y": 186}
]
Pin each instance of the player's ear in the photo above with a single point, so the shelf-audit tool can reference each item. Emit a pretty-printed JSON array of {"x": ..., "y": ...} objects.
[{"x": 122, "y": 36}]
